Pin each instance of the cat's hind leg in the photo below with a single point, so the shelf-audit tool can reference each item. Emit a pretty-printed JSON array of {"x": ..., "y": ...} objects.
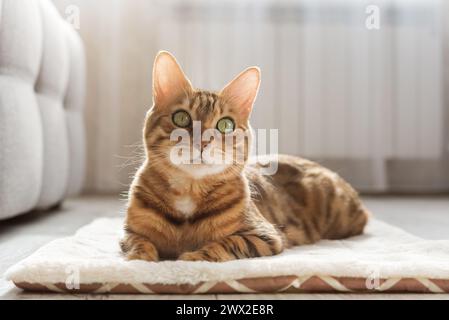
[
  {"x": 348, "y": 223},
  {"x": 358, "y": 221}
]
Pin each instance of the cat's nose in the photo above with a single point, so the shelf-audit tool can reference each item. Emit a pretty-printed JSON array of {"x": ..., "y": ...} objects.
[{"x": 204, "y": 144}]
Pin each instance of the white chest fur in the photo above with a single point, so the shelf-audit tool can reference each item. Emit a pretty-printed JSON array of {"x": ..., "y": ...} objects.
[{"x": 185, "y": 205}]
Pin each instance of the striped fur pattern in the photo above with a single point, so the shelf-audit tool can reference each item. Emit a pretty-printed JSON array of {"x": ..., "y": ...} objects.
[{"x": 223, "y": 212}]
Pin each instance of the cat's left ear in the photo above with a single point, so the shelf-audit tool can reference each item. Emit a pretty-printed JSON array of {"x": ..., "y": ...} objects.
[
  {"x": 169, "y": 81},
  {"x": 242, "y": 91}
]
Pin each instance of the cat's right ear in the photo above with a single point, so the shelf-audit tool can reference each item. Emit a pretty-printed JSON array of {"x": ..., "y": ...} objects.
[
  {"x": 242, "y": 91},
  {"x": 170, "y": 84}
]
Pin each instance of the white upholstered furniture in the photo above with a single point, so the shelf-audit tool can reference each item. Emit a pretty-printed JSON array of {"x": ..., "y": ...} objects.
[{"x": 42, "y": 81}]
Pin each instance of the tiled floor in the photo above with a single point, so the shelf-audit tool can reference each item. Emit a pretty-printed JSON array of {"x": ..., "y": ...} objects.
[{"x": 427, "y": 217}]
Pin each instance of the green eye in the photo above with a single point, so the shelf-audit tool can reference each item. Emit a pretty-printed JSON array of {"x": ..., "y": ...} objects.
[
  {"x": 226, "y": 125},
  {"x": 181, "y": 119}
]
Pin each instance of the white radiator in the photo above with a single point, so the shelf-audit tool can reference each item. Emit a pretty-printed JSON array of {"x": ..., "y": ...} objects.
[{"x": 333, "y": 88}]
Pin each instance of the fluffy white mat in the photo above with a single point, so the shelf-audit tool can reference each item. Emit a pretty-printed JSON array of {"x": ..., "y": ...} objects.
[{"x": 383, "y": 251}]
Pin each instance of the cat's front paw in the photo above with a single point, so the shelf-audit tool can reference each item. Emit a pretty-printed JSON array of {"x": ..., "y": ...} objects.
[
  {"x": 136, "y": 247},
  {"x": 144, "y": 251},
  {"x": 141, "y": 255},
  {"x": 197, "y": 256}
]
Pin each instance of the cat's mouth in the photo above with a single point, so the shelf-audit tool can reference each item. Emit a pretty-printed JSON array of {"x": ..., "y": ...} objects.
[
  {"x": 200, "y": 164},
  {"x": 204, "y": 164},
  {"x": 203, "y": 158},
  {"x": 202, "y": 170}
]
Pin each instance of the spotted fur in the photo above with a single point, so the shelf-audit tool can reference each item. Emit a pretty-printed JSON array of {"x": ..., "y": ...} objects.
[{"x": 233, "y": 212}]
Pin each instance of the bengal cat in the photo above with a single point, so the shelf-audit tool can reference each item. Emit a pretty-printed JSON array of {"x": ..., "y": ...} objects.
[{"x": 220, "y": 212}]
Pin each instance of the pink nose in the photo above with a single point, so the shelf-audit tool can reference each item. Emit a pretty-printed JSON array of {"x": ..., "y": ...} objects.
[{"x": 204, "y": 144}]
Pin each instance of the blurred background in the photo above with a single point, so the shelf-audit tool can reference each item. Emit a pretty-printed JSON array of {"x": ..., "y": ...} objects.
[
  {"x": 360, "y": 86},
  {"x": 366, "y": 100}
]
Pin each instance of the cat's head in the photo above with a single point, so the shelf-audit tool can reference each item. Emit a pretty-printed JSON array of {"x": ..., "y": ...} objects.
[{"x": 190, "y": 129}]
